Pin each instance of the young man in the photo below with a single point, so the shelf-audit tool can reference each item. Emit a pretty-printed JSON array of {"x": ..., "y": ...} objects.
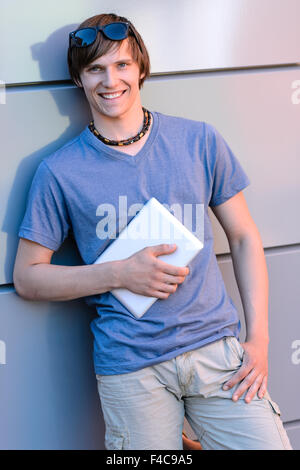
[{"x": 183, "y": 355}]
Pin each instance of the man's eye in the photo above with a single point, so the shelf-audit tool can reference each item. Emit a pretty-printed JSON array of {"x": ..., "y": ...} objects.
[
  {"x": 122, "y": 65},
  {"x": 95, "y": 68}
]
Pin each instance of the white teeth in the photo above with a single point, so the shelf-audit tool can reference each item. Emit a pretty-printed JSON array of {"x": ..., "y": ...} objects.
[{"x": 111, "y": 95}]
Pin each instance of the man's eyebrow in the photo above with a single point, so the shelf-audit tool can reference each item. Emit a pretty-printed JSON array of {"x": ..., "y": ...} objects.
[
  {"x": 90, "y": 66},
  {"x": 119, "y": 61}
]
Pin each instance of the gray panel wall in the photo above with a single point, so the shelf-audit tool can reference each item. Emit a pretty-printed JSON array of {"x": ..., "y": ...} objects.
[
  {"x": 45, "y": 348},
  {"x": 231, "y": 33},
  {"x": 284, "y": 325},
  {"x": 49, "y": 398}
]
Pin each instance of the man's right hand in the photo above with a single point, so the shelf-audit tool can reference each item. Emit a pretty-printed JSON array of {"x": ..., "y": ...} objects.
[{"x": 145, "y": 274}]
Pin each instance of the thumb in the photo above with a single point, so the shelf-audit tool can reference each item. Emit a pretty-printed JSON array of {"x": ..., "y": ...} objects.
[{"x": 163, "y": 248}]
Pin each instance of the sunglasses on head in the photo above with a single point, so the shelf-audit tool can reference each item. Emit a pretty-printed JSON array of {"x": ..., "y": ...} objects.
[{"x": 116, "y": 31}]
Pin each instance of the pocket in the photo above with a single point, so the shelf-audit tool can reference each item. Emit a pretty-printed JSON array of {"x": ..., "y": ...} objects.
[
  {"x": 114, "y": 438},
  {"x": 235, "y": 346},
  {"x": 274, "y": 407},
  {"x": 282, "y": 432}
]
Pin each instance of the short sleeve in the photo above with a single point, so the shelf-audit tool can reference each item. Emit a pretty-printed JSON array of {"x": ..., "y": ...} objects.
[
  {"x": 227, "y": 175},
  {"x": 46, "y": 219}
]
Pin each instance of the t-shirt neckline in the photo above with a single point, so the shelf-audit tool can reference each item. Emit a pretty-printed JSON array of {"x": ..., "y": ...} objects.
[{"x": 113, "y": 153}]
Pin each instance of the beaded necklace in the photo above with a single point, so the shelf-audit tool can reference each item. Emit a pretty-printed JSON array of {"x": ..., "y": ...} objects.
[{"x": 131, "y": 140}]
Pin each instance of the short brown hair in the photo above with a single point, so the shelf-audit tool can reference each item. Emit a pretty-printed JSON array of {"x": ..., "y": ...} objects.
[{"x": 80, "y": 57}]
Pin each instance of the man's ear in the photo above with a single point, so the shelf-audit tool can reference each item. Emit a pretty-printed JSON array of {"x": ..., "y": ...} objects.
[{"x": 142, "y": 75}]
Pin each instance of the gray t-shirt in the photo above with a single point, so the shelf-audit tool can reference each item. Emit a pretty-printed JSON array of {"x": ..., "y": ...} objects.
[{"x": 94, "y": 190}]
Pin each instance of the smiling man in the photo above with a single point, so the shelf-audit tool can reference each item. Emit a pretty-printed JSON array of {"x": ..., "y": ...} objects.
[
  {"x": 183, "y": 357},
  {"x": 111, "y": 85}
]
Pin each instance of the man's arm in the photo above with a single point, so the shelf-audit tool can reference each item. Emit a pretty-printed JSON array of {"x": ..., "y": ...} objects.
[
  {"x": 36, "y": 279},
  {"x": 252, "y": 279}
]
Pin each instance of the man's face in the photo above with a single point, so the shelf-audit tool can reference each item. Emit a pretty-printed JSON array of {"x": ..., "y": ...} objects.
[{"x": 111, "y": 83}]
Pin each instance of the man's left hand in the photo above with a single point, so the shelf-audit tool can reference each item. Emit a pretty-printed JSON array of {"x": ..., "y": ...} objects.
[{"x": 253, "y": 373}]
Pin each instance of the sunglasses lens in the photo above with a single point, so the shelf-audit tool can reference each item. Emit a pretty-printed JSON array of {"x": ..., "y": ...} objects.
[
  {"x": 85, "y": 37},
  {"x": 116, "y": 31}
]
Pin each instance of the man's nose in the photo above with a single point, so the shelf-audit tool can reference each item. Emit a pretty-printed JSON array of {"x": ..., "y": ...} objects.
[{"x": 110, "y": 78}]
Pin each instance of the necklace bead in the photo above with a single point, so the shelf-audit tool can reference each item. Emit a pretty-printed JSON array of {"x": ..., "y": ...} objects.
[{"x": 131, "y": 140}]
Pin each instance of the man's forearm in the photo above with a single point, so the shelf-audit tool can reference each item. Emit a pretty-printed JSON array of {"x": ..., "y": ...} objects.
[
  {"x": 58, "y": 283},
  {"x": 252, "y": 279}
]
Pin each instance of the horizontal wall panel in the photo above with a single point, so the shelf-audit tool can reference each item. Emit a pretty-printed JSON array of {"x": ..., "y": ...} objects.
[
  {"x": 253, "y": 111},
  {"x": 294, "y": 435},
  {"x": 34, "y": 124},
  {"x": 48, "y": 393},
  {"x": 257, "y": 114},
  {"x": 180, "y": 35},
  {"x": 284, "y": 327}
]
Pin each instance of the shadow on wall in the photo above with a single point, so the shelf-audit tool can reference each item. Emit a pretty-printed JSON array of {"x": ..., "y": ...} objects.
[{"x": 71, "y": 104}]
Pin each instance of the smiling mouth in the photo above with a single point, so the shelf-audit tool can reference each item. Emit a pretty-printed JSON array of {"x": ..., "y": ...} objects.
[{"x": 111, "y": 96}]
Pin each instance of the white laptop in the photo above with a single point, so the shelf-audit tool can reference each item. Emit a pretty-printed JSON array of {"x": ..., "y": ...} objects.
[{"x": 153, "y": 225}]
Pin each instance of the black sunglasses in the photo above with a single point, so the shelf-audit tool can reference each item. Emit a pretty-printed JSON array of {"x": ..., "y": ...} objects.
[{"x": 116, "y": 31}]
